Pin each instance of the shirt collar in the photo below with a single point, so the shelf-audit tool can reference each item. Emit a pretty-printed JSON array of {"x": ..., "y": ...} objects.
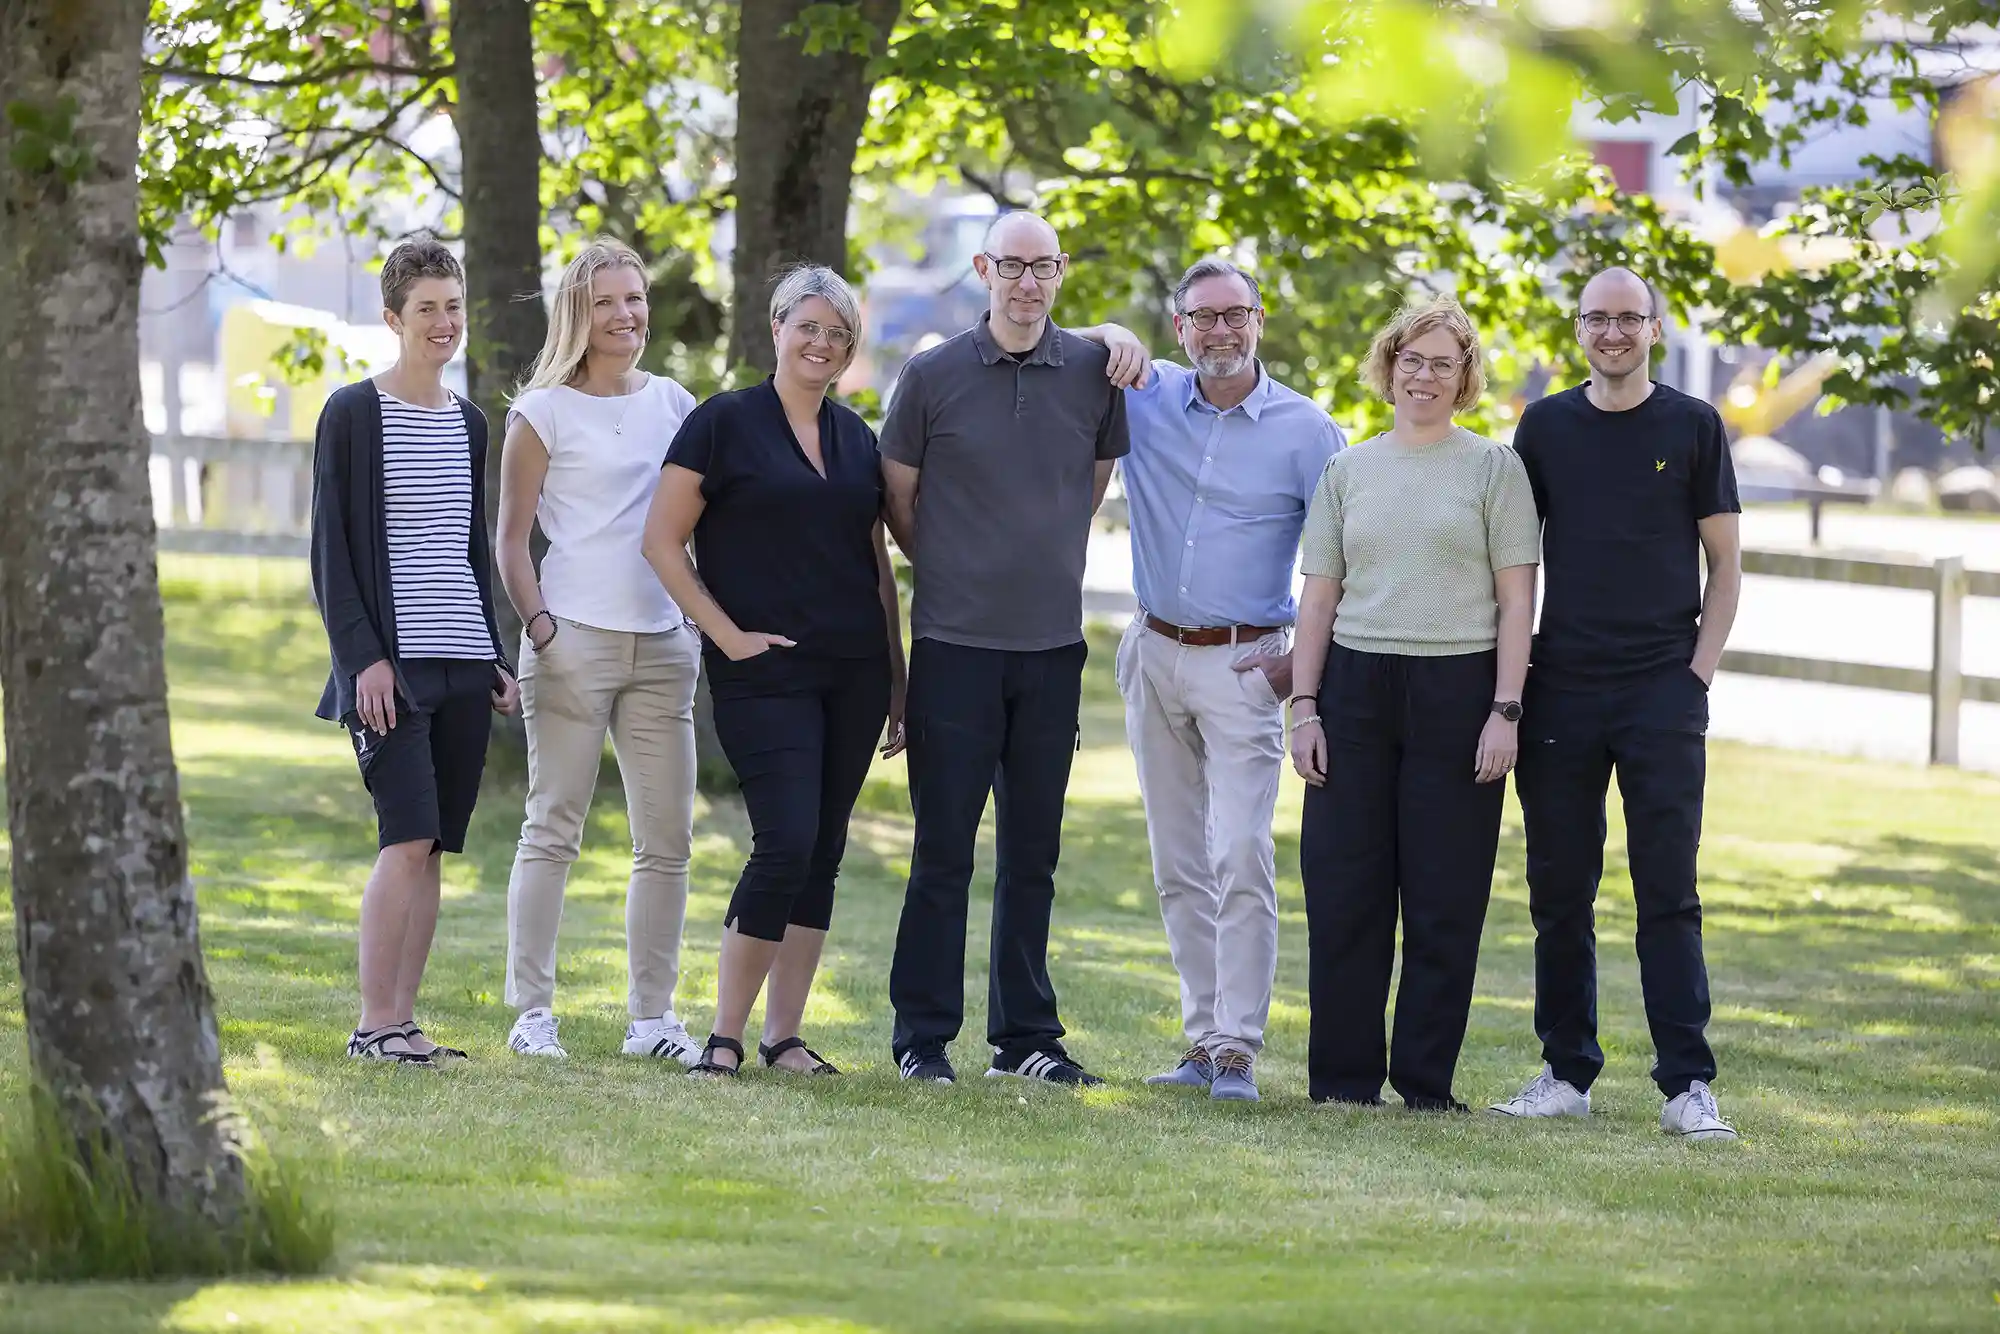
[
  {"x": 1253, "y": 406},
  {"x": 1048, "y": 352}
]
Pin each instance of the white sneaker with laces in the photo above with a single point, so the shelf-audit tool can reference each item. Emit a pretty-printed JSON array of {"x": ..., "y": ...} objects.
[
  {"x": 535, "y": 1034},
  {"x": 1694, "y": 1115},
  {"x": 1545, "y": 1095},
  {"x": 666, "y": 1038}
]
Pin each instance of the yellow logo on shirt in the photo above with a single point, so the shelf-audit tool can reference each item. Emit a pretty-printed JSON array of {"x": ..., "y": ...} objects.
[{"x": 1659, "y": 465}]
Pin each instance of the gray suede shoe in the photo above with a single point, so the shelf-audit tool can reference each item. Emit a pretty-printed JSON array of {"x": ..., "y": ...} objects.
[
  {"x": 1233, "y": 1078},
  {"x": 1195, "y": 1071}
]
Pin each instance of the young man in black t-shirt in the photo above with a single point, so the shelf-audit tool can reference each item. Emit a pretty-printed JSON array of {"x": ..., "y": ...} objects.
[{"x": 1634, "y": 484}]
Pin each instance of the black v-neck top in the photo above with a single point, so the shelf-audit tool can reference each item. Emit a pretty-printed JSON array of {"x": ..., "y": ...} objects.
[{"x": 782, "y": 549}]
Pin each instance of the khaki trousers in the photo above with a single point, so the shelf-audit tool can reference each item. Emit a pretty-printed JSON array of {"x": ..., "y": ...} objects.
[
  {"x": 1210, "y": 746},
  {"x": 638, "y": 688}
]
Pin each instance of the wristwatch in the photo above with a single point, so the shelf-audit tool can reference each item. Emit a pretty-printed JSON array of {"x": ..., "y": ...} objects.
[{"x": 1510, "y": 709}]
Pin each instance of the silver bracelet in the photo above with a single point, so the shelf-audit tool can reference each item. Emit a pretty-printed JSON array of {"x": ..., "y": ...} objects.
[{"x": 1301, "y": 722}]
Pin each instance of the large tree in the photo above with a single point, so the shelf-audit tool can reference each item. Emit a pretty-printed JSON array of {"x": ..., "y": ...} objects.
[
  {"x": 500, "y": 200},
  {"x": 801, "y": 101},
  {"x": 120, "y": 1024}
]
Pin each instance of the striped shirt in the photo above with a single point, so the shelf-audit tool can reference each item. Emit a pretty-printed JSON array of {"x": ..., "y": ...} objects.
[{"x": 427, "y": 510}]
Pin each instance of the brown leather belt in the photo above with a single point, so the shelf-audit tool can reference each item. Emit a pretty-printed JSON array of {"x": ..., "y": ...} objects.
[{"x": 1209, "y": 636}]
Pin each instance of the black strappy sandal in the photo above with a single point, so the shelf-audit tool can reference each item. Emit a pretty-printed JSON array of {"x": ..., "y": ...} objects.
[
  {"x": 367, "y": 1046},
  {"x": 820, "y": 1065},
  {"x": 707, "y": 1067},
  {"x": 437, "y": 1052}
]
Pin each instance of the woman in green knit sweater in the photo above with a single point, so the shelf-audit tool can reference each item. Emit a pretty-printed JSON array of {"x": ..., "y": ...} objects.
[{"x": 1412, "y": 645}]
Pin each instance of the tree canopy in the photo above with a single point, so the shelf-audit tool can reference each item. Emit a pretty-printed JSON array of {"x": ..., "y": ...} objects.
[{"x": 1356, "y": 152}]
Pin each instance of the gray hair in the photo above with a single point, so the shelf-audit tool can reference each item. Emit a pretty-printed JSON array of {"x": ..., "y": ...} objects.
[
  {"x": 1214, "y": 267},
  {"x": 803, "y": 281}
]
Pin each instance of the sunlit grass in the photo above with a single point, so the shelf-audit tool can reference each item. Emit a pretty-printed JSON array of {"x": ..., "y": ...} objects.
[{"x": 1853, "y": 933}]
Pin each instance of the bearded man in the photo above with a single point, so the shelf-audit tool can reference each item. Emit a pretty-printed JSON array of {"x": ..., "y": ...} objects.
[{"x": 1224, "y": 463}]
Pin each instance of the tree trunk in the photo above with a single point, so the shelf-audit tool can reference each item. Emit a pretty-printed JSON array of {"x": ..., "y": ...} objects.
[
  {"x": 120, "y": 1021},
  {"x": 798, "y": 120},
  {"x": 500, "y": 187}
]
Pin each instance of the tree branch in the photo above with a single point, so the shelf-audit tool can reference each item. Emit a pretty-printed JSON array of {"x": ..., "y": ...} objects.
[{"x": 430, "y": 73}]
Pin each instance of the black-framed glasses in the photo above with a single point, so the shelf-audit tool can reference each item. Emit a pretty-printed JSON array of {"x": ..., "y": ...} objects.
[
  {"x": 1236, "y": 317},
  {"x": 1628, "y": 323},
  {"x": 1044, "y": 269},
  {"x": 836, "y": 337},
  {"x": 1409, "y": 363}
]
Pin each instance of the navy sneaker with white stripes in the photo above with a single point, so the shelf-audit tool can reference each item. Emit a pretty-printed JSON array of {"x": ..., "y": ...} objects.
[
  {"x": 1051, "y": 1067},
  {"x": 929, "y": 1067}
]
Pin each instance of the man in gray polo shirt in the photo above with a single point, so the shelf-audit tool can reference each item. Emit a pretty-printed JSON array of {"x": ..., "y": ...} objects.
[{"x": 996, "y": 453}]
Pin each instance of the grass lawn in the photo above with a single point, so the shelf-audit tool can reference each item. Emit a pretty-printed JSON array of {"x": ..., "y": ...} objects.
[{"x": 1854, "y": 938}]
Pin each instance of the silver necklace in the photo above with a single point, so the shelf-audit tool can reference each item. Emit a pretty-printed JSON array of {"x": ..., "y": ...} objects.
[{"x": 619, "y": 427}]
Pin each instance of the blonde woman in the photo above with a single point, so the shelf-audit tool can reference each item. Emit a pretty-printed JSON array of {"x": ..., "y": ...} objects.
[
  {"x": 1419, "y": 554},
  {"x": 781, "y": 494},
  {"x": 604, "y": 649}
]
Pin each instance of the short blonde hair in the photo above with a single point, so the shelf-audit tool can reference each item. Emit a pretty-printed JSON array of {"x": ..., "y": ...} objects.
[
  {"x": 1412, "y": 323},
  {"x": 802, "y": 282}
]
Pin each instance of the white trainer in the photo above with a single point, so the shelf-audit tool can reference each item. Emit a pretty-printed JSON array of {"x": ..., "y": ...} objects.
[
  {"x": 666, "y": 1038},
  {"x": 535, "y": 1034},
  {"x": 1694, "y": 1115},
  {"x": 1545, "y": 1095}
]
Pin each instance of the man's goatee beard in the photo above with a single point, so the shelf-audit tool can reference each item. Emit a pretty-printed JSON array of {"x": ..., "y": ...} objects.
[{"x": 1222, "y": 365}]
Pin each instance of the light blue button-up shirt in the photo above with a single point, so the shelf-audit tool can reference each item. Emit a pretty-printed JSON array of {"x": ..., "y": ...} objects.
[{"x": 1217, "y": 499}]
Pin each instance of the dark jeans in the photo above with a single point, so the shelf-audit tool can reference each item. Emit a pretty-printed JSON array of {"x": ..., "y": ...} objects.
[
  {"x": 1399, "y": 823},
  {"x": 980, "y": 721},
  {"x": 1653, "y": 733},
  {"x": 800, "y": 732}
]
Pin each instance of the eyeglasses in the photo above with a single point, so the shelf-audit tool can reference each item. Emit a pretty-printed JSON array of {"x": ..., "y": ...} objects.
[
  {"x": 1409, "y": 363},
  {"x": 1236, "y": 317},
  {"x": 1628, "y": 323},
  {"x": 1014, "y": 268},
  {"x": 836, "y": 337}
]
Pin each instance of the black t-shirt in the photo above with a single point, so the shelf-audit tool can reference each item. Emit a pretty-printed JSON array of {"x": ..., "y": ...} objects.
[
  {"x": 783, "y": 550},
  {"x": 1619, "y": 495}
]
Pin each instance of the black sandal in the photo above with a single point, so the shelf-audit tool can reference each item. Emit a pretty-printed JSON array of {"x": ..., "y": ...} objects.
[
  {"x": 707, "y": 1066},
  {"x": 367, "y": 1046},
  {"x": 820, "y": 1066},
  {"x": 410, "y": 1030}
]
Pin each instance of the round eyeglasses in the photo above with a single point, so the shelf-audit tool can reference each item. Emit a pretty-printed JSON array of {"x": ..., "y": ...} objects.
[
  {"x": 836, "y": 337},
  {"x": 1236, "y": 317},
  {"x": 1409, "y": 363}
]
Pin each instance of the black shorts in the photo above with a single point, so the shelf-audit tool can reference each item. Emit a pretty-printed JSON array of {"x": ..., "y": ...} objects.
[{"x": 424, "y": 775}]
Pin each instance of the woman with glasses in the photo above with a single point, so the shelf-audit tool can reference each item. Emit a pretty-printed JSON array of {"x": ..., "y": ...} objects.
[
  {"x": 781, "y": 493},
  {"x": 1419, "y": 554}
]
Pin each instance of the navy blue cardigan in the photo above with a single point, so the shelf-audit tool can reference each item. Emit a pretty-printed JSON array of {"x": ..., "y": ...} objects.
[{"x": 350, "y": 545}]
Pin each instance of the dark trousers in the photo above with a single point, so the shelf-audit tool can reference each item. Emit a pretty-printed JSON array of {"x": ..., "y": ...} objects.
[
  {"x": 1653, "y": 733},
  {"x": 1399, "y": 823},
  {"x": 980, "y": 721},
  {"x": 800, "y": 732}
]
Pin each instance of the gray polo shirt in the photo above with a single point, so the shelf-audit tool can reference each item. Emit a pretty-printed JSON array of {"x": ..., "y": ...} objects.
[{"x": 1008, "y": 447}]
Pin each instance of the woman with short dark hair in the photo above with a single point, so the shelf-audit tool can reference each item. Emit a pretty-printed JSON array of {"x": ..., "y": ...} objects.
[{"x": 400, "y": 570}]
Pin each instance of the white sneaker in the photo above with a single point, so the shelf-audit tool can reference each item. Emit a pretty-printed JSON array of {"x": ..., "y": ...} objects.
[
  {"x": 535, "y": 1034},
  {"x": 1545, "y": 1095},
  {"x": 1694, "y": 1115},
  {"x": 665, "y": 1037}
]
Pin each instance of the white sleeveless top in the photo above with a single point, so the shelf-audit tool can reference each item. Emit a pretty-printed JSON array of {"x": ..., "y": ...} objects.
[{"x": 605, "y": 456}]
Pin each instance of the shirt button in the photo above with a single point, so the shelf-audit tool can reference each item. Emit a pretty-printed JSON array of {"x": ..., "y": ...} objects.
[
  {"x": 1190, "y": 541},
  {"x": 1183, "y": 588}
]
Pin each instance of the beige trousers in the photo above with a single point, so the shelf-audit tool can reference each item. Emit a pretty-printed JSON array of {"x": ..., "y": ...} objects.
[
  {"x": 1210, "y": 745},
  {"x": 639, "y": 688}
]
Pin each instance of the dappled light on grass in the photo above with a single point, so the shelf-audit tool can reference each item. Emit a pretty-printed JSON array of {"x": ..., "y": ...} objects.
[{"x": 1856, "y": 1032}]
